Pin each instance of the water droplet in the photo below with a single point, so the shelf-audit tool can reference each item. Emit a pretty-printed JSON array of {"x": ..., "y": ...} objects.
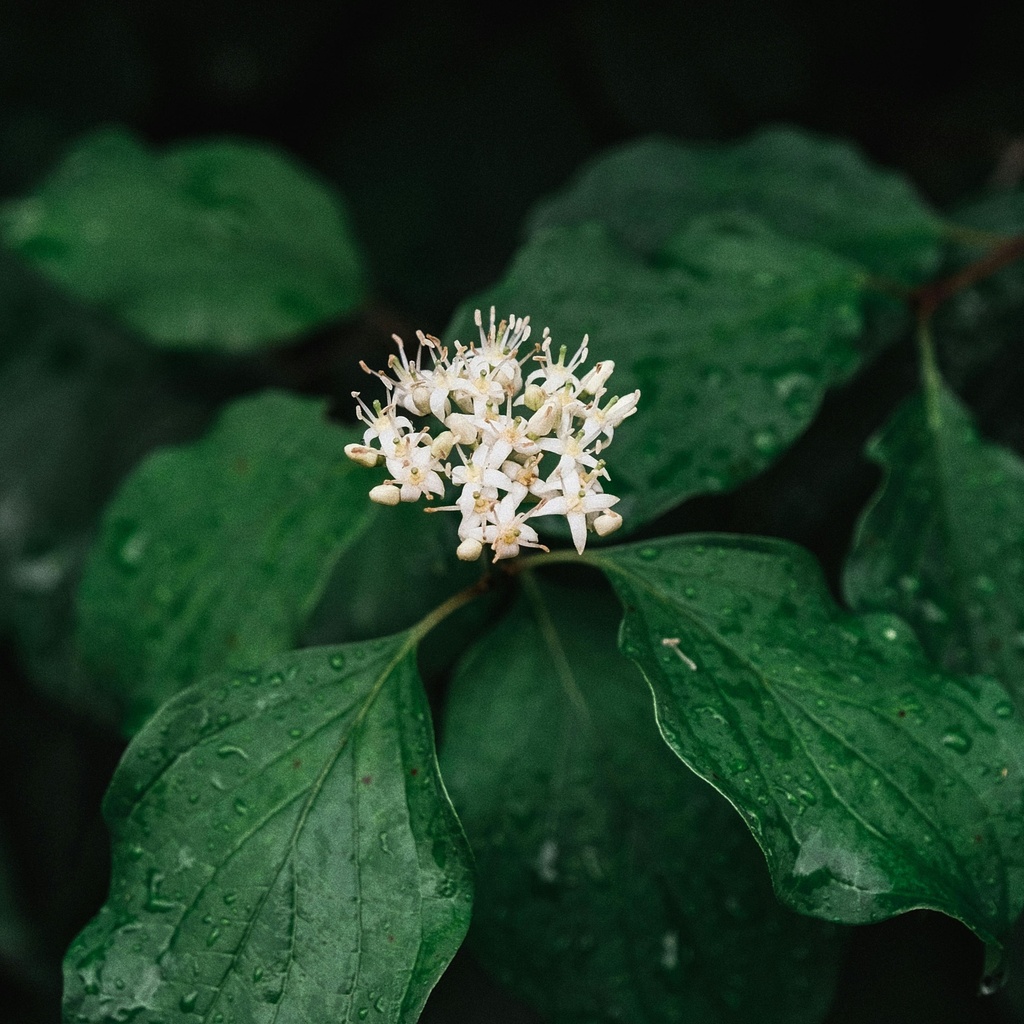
[
  {"x": 956, "y": 740},
  {"x": 364, "y": 1012},
  {"x": 295, "y": 733},
  {"x": 337, "y": 662},
  {"x": 649, "y": 554},
  {"x": 241, "y": 807},
  {"x": 155, "y": 902},
  {"x": 985, "y": 584},
  {"x": 766, "y": 441},
  {"x": 1004, "y": 709},
  {"x": 131, "y": 544},
  {"x": 257, "y": 973},
  {"x": 213, "y": 936},
  {"x": 228, "y": 749},
  {"x": 187, "y": 1003},
  {"x": 230, "y": 897}
]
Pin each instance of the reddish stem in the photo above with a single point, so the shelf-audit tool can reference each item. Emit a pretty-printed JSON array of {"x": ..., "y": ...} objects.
[{"x": 927, "y": 299}]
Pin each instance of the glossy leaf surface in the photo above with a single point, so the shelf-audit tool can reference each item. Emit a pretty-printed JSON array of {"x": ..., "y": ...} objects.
[
  {"x": 612, "y": 883},
  {"x": 284, "y": 851},
  {"x": 942, "y": 544},
  {"x": 873, "y": 783},
  {"x": 731, "y": 342},
  {"x": 215, "y": 245},
  {"x": 213, "y": 555},
  {"x": 806, "y": 187}
]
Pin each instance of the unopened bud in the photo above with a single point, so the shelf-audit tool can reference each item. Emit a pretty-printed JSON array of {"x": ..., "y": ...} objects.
[
  {"x": 462, "y": 427},
  {"x": 385, "y": 494},
  {"x": 607, "y": 522},
  {"x": 534, "y": 397},
  {"x": 442, "y": 445},
  {"x": 364, "y": 455},
  {"x": 469, "y": 550},
  {"x": 541, "y": 422},
  {"x": 597, "y": 377}
]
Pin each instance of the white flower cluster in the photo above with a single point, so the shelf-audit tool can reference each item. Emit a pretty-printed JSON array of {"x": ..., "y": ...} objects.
[{"x": 474, "y": 395}]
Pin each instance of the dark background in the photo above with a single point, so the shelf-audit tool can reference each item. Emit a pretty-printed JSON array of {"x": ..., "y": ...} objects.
[{"x": 441, "y": 127}]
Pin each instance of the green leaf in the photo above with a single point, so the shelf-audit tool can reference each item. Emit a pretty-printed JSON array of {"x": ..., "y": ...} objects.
[
  {"x": 613, "y": 885},
  {"x": 214, "y": 555},
  {"x": 214, "y": 245},
  {"x": 731, "y": 343},
  {"x": 874, "y": 784},
  {"x": 942, "y": 543},
  {"x": 80, "y": 405},
  {"x": 403, "y": 566},
  {"x": 284, "y": 851},
  {"x": 804, "y": 186}
]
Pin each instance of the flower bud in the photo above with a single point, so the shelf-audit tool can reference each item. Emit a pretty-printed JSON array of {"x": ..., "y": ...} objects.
[
  {"x": 364, "y": 455},
  {"x": 469, "y": 550},
  {"x": 442, "y": 445},
  {"x": 385, "y": 494},
  {"x": 607, "y": 522},
  {"x": 534, "y": 397},
  {"x": 462, "y": 427},
  {"x": 597, "y": 377},
  {"x": 541, "y": 422}
]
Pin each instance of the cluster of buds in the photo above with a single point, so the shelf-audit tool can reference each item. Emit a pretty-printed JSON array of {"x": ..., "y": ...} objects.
[{"x": 475, "y": 396}]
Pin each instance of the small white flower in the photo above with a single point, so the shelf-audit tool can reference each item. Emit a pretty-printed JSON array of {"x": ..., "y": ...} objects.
[{"x": 473, "y": 395}]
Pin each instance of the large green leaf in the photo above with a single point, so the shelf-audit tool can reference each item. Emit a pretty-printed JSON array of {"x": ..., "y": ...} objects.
[
  {"x": 612, "y": 884},
  {"x": 213, "y": 555},
  {"x": 942, "y": 543},
  {"x": 731, "y": 342},
  {"x": 873, "y": 783},
  {"x": 219, "y": 245},
  {"x": 284, "y": 851},
  {"x": 806, "y": 187}
]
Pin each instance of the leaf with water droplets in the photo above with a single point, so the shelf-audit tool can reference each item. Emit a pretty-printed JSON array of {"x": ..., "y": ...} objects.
[
  {"x": 250, "y": 884},
  {"x": 806, "y": 187},
  {"x": 873, "y": 783},
  {"x": 213, "y": 555},
  {"x": 942, "y": 543},
  {"x": 613, "y": 885},
  {"x": 732, "y": 342},
  {"x": 216, "y": 244}
]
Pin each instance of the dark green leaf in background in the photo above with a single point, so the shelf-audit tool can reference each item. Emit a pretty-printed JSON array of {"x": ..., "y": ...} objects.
[
  {"x": 284, "y": 851},
  {"x": 612, "y": 884},
  {"x": 806, "y": 187},
  {"x": 214, "y": 245},
  {"x": 731, "y": 342},
  {"x": 982, "y": 324},
  {"x": 874, "y": 784},
  {"x": 80, "y": 404},
  {"x": 213, "y": 555},
  {"x": 942, "y": 543}
]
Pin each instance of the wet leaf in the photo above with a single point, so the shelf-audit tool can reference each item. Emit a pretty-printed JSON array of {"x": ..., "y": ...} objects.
[
  {"x": 732, "y": 343},
  {"x": 612, "y": 884},
  {"x": 214, "y": 245},
  {"x": 873, "y": 783},
  {"x": 214, "y": 555},
  {"x": 284, "y": 851},
  {"x": 806, "y": 187},
  {"x": 942, "y": 543}
]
